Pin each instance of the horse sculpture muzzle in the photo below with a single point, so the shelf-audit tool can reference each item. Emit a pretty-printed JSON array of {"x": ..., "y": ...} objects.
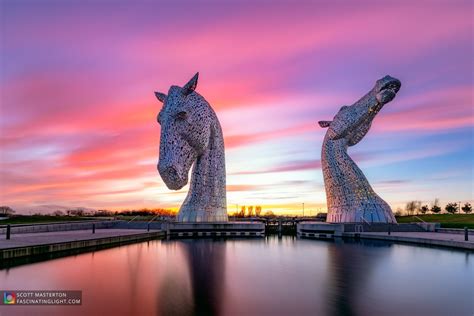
[{"x": 173, "y": 178}]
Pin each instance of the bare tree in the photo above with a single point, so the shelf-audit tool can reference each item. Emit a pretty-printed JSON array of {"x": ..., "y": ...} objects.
[
  {"x": 242, "y": 211},
  {"x": 250, "y": 211},
  {"x": 418, "y": 207},
  {"x": 399, "y": 211},
  {"x": 6, "y": 210},
  {"x": 411, "y": 207},
  {"x": 258, "y": 210},
  {"x": 76, "y": 212}
]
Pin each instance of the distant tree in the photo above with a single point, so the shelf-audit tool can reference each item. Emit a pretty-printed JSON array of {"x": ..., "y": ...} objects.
[
  {"x": 6, "y": 210},
  {"x": 141, "y": 212},
  {"x": 269, "y": 214},
  {"x": 103, "y": 213},
  {"x": 467, "y": 208},
  {"x": 76, "y": 212},
  {"x": 250, "y": 211},
  {"x": 435, "y": 208},
  {"x": 411, "y": 207},
  {"x": 418, "y": 207},
  {"x": 399, "y": 212},
  {"x": 242, "y": 211},
  {"x": 451, "y": 208},
  {"x": 424, "y": 209},
  {"x": 58, "y": 213},
  {"x": 258, "y": 210}
]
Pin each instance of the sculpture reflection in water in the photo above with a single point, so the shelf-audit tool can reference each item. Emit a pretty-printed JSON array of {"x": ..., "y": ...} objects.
[
  {"x": 203, "y": 292},
  {"x": 350, "y": 270}
]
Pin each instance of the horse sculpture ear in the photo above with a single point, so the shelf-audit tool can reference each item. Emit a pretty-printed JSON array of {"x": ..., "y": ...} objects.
[
  {"x": 324, "y": 123},
  {"x": 191, "y": 85},
  {"x": 160, "y": 96}
]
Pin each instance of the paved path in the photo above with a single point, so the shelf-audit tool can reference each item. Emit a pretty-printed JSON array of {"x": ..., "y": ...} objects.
[
  {"x": 426, "y": 238},
  {"x": 33, "y": 239},
  {"x": 428, "y": 235}
]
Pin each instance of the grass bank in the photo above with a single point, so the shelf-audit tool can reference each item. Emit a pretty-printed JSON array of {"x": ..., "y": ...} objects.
[{"x": 446, "y": 220}]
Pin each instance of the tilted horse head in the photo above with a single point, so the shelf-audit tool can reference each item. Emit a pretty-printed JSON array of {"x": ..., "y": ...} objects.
[
  {"x": 185, "y": 131},
  {"x": 353, "y": 122},
  {"x": 350, "y": 198}
]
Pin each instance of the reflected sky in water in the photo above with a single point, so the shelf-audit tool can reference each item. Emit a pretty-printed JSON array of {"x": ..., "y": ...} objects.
[{"x": 273, "y": 276}]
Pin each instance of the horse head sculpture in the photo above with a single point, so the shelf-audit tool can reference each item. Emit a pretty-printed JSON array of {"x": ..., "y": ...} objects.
[
  {"x": 350, "y": 198},
  {"x": 191, "y": 134}
]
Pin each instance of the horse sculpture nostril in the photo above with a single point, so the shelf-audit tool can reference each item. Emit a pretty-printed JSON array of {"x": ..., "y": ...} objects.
[
  {"x": 171, "y": 177},
  {"x": 169, "y": 172}
]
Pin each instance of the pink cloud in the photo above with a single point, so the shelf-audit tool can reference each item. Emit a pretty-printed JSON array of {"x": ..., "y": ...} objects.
[{"x": 78, "y": 111}]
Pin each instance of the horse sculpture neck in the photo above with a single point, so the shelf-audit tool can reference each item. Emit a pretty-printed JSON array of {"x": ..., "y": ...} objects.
[
  {"x": 206, "y": 199},
  {"x": 350, "y": 197}
]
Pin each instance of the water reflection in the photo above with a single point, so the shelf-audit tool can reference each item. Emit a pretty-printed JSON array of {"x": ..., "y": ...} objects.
[
  {"x": 203, "y": 294},
  {"x": 349, "y": 269},
  {"x": 270, "y": 276}
]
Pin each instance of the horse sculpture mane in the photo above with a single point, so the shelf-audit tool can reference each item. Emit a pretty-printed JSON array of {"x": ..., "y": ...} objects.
[
  {"x": 350, "y": 198},
  {"x": 191, "y": 134}
]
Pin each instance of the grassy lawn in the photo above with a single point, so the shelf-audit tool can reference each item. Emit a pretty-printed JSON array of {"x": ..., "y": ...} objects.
[
  {"x": 38, "y": 219},
  {"x": 446, "y": 220}
]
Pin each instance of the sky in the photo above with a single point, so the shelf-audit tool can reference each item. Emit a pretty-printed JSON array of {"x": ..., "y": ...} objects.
[{"x": 78, "y": 113}]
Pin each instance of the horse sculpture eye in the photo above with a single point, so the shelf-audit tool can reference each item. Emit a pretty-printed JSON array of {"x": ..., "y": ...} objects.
[{"x": 182, "y": 115}]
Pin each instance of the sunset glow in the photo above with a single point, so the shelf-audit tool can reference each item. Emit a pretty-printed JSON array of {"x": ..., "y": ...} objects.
[{"x": 78, "y": 113}]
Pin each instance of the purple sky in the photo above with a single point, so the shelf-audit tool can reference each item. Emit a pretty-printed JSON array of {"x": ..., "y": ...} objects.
[{"x": 77, "y": 123}]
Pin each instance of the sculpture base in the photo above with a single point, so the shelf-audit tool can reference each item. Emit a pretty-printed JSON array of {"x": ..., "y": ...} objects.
[
  {"x": 197, "y": 216},
  {"x": 224, "y": 229},
  {"x": 377, "y": 214}
]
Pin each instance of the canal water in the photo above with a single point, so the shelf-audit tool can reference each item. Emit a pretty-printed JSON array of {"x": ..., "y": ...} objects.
[{"x": 270, "y": 276}]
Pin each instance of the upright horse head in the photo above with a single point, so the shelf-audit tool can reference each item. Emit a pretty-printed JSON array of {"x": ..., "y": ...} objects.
[
  {"x": 350, "y": 197},
  {"x": 191, "y": 134}
]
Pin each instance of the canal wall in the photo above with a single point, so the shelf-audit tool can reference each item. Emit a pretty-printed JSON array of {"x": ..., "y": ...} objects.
[
  {"x": 223, "y": 229},
  {"x": 73, "y": 242},
  {"x": 427, "y": 234}
]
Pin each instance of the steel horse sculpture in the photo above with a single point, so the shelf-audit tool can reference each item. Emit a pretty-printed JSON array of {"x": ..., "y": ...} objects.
[
  {"x": 350, "y": 198},
  {"x": 191, "y": 134}
]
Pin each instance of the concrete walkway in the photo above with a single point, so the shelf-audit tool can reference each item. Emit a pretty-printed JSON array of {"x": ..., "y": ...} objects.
[
  {"x": 425, "y": 238},
  {"x": 35, "y": 239}
]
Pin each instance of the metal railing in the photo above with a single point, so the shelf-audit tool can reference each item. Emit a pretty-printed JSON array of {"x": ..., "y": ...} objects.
[
  {"x": 365, "y": 221},
  {"x": 132, "y": 219},
  {"x": 153, "y": 218},
  {"x": 419, "y": 218}
]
